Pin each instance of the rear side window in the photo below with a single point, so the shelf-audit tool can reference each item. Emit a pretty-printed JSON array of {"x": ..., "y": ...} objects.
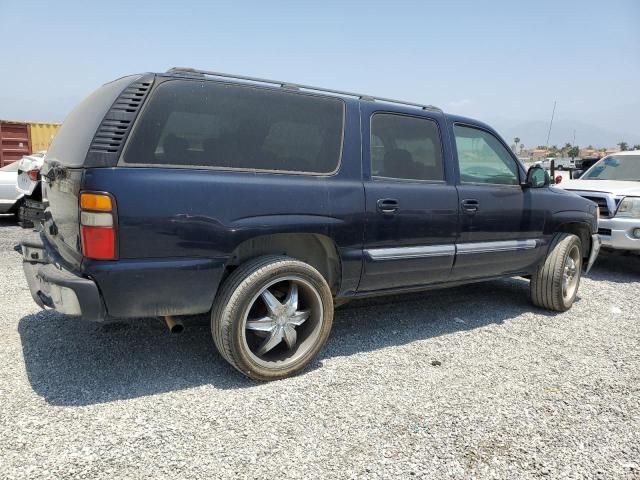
[
  {"x": 209, "y": 124},
  {"x": 405, "y": 147},
  {"x": 483, "y": 159}
]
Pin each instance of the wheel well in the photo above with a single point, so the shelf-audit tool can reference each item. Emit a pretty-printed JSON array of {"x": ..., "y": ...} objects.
[
  {"x": 317, "y": 250},
  {"x": 582, "y": 231}
]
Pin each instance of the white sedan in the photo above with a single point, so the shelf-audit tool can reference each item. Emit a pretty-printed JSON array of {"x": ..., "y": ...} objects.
[
  {"x": 29, "y": 172},
  {"x": 9, "y": 195}
]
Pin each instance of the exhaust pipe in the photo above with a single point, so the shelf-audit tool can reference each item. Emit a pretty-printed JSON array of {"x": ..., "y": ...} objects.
[{"x": 173, "y": 324}]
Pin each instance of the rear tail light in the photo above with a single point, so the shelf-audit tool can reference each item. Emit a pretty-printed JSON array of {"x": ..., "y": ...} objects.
[
  {"x": 98, "y": 226},
  {"x": 34, "y": 175}
]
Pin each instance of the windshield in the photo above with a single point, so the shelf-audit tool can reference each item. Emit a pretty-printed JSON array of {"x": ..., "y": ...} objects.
[{"x": 615, "y": 167}]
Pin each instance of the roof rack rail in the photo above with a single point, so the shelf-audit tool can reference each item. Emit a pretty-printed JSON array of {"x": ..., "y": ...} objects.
[{"x": 295, "y": 86}]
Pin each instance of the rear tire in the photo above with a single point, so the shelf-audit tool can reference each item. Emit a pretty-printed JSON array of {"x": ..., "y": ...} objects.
[
  {"x": 555, "y": 283},
  {"x": 271, "y": 317}
]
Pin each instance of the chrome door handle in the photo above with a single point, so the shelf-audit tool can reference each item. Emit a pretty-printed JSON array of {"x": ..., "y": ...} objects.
[
  {"x": 470, "y": 205},
  {"x": 388, "y": 206}
]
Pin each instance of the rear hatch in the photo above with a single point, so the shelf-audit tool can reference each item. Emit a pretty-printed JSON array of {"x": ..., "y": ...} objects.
[{"x": 91, "y": 136}]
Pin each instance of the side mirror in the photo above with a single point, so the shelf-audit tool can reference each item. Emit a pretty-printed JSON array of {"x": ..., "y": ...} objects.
[
  {"x": 577, "y": 173},
  {"x": 537, "y": 177}
]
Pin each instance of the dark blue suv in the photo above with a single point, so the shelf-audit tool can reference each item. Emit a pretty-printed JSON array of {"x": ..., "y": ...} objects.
[{"x": 265, "y": 203}]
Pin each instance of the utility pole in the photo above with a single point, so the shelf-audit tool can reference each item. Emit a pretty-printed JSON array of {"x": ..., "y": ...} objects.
[{"x": 551, "y": 122}]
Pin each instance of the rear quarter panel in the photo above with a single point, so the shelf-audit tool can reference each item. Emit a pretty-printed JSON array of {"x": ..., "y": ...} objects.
[{"x": 177, "y": 227}]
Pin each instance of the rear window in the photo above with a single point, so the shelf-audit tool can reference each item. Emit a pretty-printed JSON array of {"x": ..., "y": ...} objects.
[
  {"x": 71, "y": 143},
  {"x": 209, "y": 124}
]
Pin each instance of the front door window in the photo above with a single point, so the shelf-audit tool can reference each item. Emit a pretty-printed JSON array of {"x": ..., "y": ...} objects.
[{"x": 483, "y": 159}]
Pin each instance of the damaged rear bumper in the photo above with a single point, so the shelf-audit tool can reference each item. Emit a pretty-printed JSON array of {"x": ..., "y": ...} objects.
[{"x": 54, "y": 287}]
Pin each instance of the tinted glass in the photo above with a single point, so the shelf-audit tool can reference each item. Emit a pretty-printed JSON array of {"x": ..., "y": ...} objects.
[
  {"x": 405, "y": 147},
  {"x": 216, "y": 125},
  {"x": 616, "y": 167},
  {"x": 483, "y": 159}
]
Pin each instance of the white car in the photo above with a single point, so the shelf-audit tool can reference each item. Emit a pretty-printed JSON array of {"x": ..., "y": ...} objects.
[
  {"x": 564, "y": 163},
  {"x": 9, "y": 196},
  {"x": 560, "y": 163},
  {"x": 614, "y": 184},
  {"x": 545, "y": 163},
  {"x": 29, "y": 172}
]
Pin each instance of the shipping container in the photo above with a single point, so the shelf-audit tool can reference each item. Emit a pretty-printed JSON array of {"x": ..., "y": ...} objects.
[
  {"x": 15, "y": 141},
  {"x": 41, "y": 135}
]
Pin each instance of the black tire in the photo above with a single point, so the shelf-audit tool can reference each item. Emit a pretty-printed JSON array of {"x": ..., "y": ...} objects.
[
  {"x": 547, "y": 282},
  {"x": 239, "y": 295}
]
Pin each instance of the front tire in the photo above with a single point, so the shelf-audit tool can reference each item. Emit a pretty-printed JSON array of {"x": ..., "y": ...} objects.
[
  {"x": 554, "y": 284},
  {"x": 271, "y": 317}
]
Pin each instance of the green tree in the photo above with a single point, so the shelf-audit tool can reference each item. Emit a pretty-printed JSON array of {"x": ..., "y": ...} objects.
[
  {"x": 516, "y": 141},
  {"x": 623, "y": 146},
  {"x": 573, "y": 152},
  {"x": 521, "y": 147},
  {"x": 636, "y": 146}
]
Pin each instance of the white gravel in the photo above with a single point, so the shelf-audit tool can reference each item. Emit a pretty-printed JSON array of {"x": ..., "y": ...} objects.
[{"x": 471, "y": 382}]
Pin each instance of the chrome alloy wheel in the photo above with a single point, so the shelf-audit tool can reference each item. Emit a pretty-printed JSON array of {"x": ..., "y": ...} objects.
[
  {"x": 571, "y": 274},
  {"x": 283, "y": 321}
]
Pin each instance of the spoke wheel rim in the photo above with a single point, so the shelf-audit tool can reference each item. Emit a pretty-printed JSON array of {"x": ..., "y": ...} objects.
[
  {"x": 571, "y": 273},
  {"x": 282, "y": 322}
]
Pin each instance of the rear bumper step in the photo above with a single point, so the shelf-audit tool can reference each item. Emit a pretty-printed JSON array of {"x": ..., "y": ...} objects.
[{"x": 56, "y": 288}]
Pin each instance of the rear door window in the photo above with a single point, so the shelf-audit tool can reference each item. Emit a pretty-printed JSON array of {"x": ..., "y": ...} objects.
[
  {"x": 405, "y": 147},
  {"x": 211, "y": 124}
]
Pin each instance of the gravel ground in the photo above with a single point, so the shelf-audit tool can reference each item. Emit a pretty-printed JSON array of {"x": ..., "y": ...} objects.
[{"x": 460, "y": 383}]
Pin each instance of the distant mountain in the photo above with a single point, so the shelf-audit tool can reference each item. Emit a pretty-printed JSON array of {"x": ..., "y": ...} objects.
[
  {"x": 533, "y": 133},
  {"x": 614, "y": 125}
]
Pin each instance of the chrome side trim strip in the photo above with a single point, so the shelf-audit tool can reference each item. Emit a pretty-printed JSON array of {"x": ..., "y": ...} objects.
[
  {"x": 399, "y": 253},
  {"x": 501, "y": 246}
]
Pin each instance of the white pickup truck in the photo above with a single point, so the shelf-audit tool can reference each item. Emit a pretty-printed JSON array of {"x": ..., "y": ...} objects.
[{"x": 614, "y": 184}]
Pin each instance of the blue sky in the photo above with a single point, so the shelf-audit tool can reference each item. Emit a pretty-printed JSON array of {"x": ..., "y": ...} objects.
[{"x": 503, "y": 62}]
